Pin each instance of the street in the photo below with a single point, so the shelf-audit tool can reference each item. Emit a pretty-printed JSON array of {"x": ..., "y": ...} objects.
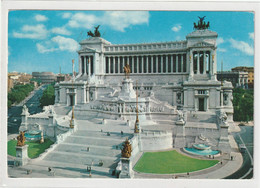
[
  {"x": 14, "y": 113},
  {"x": 246, "y": 136}
]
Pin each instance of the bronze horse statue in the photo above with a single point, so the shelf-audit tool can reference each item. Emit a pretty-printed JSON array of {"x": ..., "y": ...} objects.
[{"x": 96, "y": 32}]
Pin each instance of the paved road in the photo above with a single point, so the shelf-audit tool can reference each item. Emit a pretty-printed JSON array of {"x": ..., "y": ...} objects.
[
  {"x": 245, "y": 137},
  {"x": 14, "y": 113}
]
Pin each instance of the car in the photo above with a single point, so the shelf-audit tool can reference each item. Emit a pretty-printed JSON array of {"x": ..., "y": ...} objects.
[{"x": 242, "y": 148}]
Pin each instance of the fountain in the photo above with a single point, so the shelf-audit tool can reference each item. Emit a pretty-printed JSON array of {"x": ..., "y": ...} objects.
[{"x": 201, "y": 149}]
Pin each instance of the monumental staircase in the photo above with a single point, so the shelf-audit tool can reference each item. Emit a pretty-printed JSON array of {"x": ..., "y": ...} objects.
[{"x": 84, "y": 148}]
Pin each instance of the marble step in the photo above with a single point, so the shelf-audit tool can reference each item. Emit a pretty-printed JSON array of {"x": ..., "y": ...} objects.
[
  {"x": 99, "y": 141},
  {"x": 76, "y": 158},
  {"x": 68, "y": 170},
  {"x": 89, "y": 149}
]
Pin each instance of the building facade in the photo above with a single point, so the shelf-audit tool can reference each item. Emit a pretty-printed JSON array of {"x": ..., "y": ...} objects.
[
  {"x": 182, "y": 73},
  {"x": 45, "y": 77},
  {"x": 238, "y": 79},
  {"x": 250, "y": 71}
]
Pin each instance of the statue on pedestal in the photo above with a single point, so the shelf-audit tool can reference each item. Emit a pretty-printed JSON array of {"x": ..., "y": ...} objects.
[
  {"x": 96, "y": 32},
  {"x": 21, "y": 139},
  {"x": 25, "y": 110},
  {"x": 127, "y": 71},
  {"x": 127, "y": 150},
  {"x": 202, "y": 25},
  {"x": 223, "y": 119}
]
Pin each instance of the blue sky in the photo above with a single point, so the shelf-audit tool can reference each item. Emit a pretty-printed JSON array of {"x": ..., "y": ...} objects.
[{"x": 46, "y": 40}]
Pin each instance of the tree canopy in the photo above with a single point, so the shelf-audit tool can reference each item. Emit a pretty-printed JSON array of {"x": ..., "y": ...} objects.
[
  {"x": 243, "y": 103},
  {"x": 48, "y": 96},
  {"x": 18, "y": 93}
]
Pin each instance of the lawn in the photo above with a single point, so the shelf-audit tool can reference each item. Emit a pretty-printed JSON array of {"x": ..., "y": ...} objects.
[
  {"x": 170, "y": 162},
  {"x": 34, "y": 149}
]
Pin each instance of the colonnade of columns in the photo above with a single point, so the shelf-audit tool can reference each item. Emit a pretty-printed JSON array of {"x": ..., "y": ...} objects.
[
  {"x": 168, "y": 63},
  {"x": 202, "y": 62},
  {"x": 86, "y": 65}
]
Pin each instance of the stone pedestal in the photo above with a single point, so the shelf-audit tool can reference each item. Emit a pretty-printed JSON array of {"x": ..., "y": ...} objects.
[
  {"x": 126, "y": 171},
  {"x": 21, "y": 155},
  {"x": 180, "y": 141},
  {"x": 223, "y": 144},
  {"x": 127, "y": 89}
]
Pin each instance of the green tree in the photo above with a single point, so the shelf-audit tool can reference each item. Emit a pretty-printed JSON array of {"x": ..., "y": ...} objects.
[
  {"x": 18, "y": 93},
  {"x": 48, "y": 96},
  {"x": 243, "y": 103}
]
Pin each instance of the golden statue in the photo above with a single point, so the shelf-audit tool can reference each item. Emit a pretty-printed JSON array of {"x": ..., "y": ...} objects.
[
  {"x": 127, "y": 150},
  {"x": 127, "y": 70},
  {"x": 21, "y": 139}
]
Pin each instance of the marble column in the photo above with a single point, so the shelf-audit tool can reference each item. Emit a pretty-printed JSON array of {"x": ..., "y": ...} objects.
[
  {"x": 142, "y": 64},
  {"x": 166, "y": 61},
  {"x": 137, "y": 64},
  {"x": 123, "y": 62},
  {"x": 80, "y": 69},
  {"x": 198, "y": 63},
  {"x": 177, "y": 60},
  {"x": 87, "y": 95},
  {"x": 132, "y": 68},
  {"x": 114, "y": 65},
  {"x": 211, "y": 64},
  {"x": 108, "y": 67},
  {"x": 85, "y": 65},
  {"x": 181, "y": 62},
  {"x": 151, "y": 64},
  {"x": 123, "y": 107},
  {"x": 89, "y": 66},
  {"x": 204, "y": 63},
  {"x": 171, "y": 63},
  {"x": 118, "y": 64},
  {"x": 84, "y": 95},
  {"x": 146, "y": 64},
  {"x": 191, "y": 71},
  {"x": 157, "y": 64},
  {"x": 161, "y": 63}
]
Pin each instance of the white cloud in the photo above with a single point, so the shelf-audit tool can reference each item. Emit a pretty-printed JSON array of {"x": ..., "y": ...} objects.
[
  {"x": 221, "y": 49},
  {"x": 83, "y": 20},
  {"x": 43, "y": 49},
  {"x": 176, "y": 28},
  {"x": 58, "y": 43},
  {"x": 220, "y": 40},
  {"x": 117, "y": 20},
  {"x": 40, "y": 18},
  {"x": 242, "y": 46},
  {"x": 251, "y": 35},
  {"x": 60, "y": 30},
  {"x": 66, "y": 15},
  {"x": 32, "y": 32},
  {"x": 66, "y": 44},
  {"x": 120, "y": 20}
]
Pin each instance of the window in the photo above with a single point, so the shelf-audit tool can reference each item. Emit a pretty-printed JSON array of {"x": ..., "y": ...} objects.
[{"x": 202, "y": 92}]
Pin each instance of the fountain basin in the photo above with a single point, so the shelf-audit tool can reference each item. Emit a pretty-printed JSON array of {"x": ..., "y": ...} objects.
[
  {"x": 195, "y": 151},
  {"x": 201, "y": 146},
  {"x": 33, "y": 135}
]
